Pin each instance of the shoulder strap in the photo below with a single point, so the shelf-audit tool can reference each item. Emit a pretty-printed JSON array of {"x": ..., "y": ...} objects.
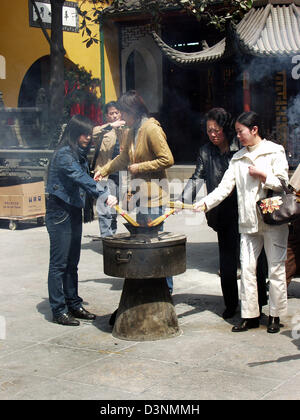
[
  {"x": 286, "y": 189},
  {"x": 97, "y": 150},
  {"x": 284, "y": 186}
]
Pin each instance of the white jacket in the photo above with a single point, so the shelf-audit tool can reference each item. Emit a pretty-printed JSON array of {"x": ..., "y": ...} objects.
[{"x": 268, "y": 157}]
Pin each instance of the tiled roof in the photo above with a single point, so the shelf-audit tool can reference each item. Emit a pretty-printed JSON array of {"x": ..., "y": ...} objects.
[
  {"x": 265, "y": 31},
  {"x": 130, "y": 6},
  {"x": 270, "y": 31},
  {"x": 209, "y": 54}
]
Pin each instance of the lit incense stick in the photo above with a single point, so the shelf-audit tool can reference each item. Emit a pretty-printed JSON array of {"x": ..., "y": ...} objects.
[
  {"x": 179, "y": 205},
  {"x": 126, "y": 216},
  {"x": 160, "y": 219}
]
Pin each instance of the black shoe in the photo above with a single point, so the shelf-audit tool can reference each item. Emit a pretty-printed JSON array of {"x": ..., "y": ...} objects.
[
  {"x": 246, "y": 324},
  {"x": 229, "y": 313},
  {"x": 66, "y": 319},
  {"x": 82, "y": 313},
  {"x": 274, "y": 325},
  {"x": 112, "y": 318}
]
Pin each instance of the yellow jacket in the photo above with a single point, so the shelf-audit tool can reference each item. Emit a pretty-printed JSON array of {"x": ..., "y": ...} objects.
[{"x": 153, "y": 155}]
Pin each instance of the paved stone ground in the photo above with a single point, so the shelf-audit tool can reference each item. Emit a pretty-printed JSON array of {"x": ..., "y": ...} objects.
[{"x": 40, "y": 360}]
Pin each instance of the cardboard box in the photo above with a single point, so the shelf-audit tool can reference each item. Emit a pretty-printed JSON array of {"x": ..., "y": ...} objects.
[{"x": 23, "y": 200}]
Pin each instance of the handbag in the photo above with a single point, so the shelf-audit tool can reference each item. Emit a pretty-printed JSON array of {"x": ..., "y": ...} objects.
[{"x": 277, "y": 210}]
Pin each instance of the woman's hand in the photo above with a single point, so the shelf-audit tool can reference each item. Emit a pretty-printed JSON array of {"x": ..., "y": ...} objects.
[
  {"x": 134, "y": 168},
  {"x": 111, "y": 200},
  {"x": 117, "y": 124},
  {"x": 256, "y": 173},
  {"x": 178, "y": 206},
  {"x": 200, "y": 206},
  {"x": 98, "y": 176}
]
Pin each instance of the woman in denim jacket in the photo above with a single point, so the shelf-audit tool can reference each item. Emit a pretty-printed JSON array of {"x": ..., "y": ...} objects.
[{"x": 68, "y": 184}]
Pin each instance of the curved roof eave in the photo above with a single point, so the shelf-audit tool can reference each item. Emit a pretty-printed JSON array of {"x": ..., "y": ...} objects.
[
  {"x": 270, "y": 31},
  {"x": 210, "y": 54}
]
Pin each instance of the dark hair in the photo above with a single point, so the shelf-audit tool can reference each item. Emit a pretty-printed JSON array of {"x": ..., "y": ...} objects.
[
  {"x": 224, "y": 120},
  {"x": 70, "y": 134},
  {"x": 250, "y": 119},
  {"x": 77, "y": 126},
  {"x": 111, "y": 104},
  {"x": 132, "y": 103}
]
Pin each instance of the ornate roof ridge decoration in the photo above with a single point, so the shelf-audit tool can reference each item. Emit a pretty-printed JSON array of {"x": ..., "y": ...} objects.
[
  {"x": 129, "y": 7},
  {"x": 132, "y": 7},
  {"x": 270, "y": 31}
]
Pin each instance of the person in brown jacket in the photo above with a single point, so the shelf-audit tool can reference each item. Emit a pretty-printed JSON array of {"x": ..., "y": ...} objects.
[
  {"x": 108, "y": 138},
  {"x": 292, "y": 265},
  {"x": 146, "y": 155}
]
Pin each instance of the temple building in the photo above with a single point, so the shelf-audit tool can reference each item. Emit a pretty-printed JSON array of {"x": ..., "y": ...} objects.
[
  {"x": 182, "y": 68},
  {"x": 25, "y": 71},
  {"x": 186, "y": 67}
]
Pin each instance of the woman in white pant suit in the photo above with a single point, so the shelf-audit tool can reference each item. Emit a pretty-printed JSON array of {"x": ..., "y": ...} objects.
[{"x": 254, "y": 169}]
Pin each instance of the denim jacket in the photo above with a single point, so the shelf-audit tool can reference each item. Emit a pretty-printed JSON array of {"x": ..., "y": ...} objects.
[{"x": 68, "y": 178}]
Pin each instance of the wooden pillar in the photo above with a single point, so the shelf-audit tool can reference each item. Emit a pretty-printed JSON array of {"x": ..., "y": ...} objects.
[
  {"x": 246, "y": 91},
  {"x": 281, "y": 107}
]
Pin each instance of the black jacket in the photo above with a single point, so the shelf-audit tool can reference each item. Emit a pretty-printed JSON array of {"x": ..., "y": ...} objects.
[{"x": 210, "y": 168}]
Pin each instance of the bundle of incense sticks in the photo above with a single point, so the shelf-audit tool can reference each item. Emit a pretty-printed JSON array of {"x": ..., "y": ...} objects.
[
  {"x": 179, "y": 205},
  {"x": 160, "y": 219},
  {"x": 126, "y": 216}
]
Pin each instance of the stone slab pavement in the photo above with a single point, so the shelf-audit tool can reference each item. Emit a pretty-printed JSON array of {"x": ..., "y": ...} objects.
[{"x": 40, "y": 360}]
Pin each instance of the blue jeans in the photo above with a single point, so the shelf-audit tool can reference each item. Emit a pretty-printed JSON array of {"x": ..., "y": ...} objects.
[
  {"x": 64, "y": 225},
  {"x": 145, "y": 215},
  {"x": 107, "y": 216}
]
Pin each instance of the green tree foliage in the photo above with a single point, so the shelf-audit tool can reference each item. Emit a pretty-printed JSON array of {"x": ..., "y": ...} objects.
[
  {"x": 217, "y": 13},
  {"x": 214, "y": 12}
]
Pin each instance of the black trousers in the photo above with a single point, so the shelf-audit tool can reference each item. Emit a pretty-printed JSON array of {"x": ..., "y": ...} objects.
[{"x": 229, "y": 246}]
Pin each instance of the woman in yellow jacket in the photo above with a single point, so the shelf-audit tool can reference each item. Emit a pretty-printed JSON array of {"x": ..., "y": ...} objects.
[{"x": 146, "y": 155}]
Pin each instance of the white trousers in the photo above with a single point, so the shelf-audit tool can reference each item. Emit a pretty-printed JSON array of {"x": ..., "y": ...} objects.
[{"x": 274, "y": 240}]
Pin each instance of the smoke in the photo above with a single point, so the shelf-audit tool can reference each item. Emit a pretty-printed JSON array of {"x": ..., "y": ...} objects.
[
  {"x": 293, "y": 112},
  {"x": 261, "y": 68},
  {"x": 293, "y": 116},
  {"x": 266, "y": 71}
]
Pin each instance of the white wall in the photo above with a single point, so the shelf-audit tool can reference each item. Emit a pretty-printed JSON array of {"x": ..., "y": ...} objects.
[{"x": 148, "y": 65}]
